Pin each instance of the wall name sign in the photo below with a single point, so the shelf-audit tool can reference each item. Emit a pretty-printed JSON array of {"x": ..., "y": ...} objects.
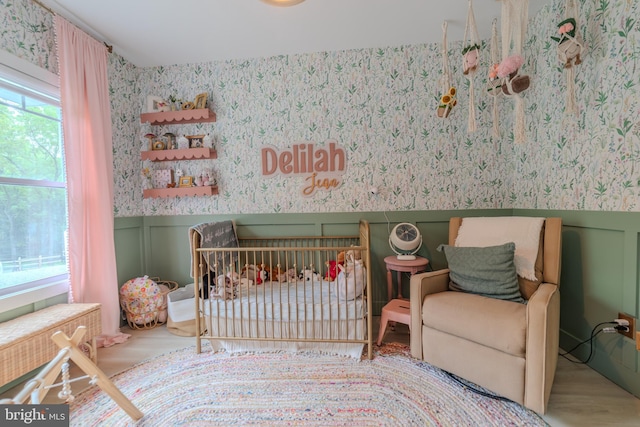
[{"x": 323, "y": 166}]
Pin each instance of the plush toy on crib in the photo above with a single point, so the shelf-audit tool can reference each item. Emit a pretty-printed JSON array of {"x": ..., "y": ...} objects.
[
  {"x": 332, "y": 267},
  {"x": 255, "y": 273},
  {"x": 309, "y": 275},
  {"x": 351, "y": 279}
]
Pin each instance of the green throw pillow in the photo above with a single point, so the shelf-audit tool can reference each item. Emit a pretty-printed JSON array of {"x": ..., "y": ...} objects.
[{"x": 488, "y": 271}]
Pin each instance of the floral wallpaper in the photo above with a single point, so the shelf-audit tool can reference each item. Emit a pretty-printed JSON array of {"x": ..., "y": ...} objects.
[
  {"x": 379, "y": 104},
  {"x": 26, "y": 31},
  {"x": 589, "y": 160}
]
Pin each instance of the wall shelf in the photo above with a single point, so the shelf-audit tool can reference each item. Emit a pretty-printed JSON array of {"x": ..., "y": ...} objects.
[
  {"x": 180, "y": 192},
  {"x": 201, "y": 115},
  {"x": 181, "y": 154}
]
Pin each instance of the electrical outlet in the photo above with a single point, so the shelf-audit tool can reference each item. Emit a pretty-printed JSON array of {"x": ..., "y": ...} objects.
[{"x": 632, "y": 325}]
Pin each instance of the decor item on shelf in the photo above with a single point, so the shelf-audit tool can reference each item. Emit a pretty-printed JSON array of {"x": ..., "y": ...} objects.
[
  {"x": 172, "y": 102},
  {"x": 150, "y": 137},
  {"x": 208, "y": 179},
  {"x": 514, "y": 16},
  {"x": 447, "y": 100},
  {"x": 405, "y": 240},
  {"x": 195, "y": 141},
  {"x": 470, "y": 55},
  {"x": 188, "y": 106},
  {"x": 207, "y": 141},
  {"x": 156, "y": 104},
  {"x": 183, "y": 142},
  {"x": 570, "y": 47},
  {"x": 159, "y": 145},
  {"x": 162, "y": 178},
  {"x": 146, "y": 179},
  {"x": 185, "y": 181},
  {"x": 171, "y": 141},
  {"x": 200, "y": 101}
]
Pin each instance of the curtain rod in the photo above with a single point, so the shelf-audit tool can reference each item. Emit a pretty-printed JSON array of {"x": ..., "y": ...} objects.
[{"x": 108, "y": 46}]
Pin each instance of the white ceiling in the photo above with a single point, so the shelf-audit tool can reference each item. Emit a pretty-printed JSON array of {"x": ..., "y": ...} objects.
[{"x": 165, "y": 32}]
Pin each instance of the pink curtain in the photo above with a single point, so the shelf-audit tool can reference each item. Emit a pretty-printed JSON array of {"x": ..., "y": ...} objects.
[{"x": 86, "y": 124}]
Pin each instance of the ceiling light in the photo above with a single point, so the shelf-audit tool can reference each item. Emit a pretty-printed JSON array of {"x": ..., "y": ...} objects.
[{"x": 283, "y": 3}]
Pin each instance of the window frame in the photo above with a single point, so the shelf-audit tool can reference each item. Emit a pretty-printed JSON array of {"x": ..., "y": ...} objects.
[{"x": 19, "y": 74}]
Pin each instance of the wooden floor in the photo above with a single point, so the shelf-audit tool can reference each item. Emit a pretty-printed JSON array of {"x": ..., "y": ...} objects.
[{"x": 580, "y": 396}]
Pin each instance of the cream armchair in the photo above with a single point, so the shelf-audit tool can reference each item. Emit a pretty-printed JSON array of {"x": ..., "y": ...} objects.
[{"x": 507, "y": 347}]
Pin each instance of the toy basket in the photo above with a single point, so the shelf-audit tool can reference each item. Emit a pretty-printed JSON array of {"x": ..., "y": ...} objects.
[{"x": 144, "y": 301}]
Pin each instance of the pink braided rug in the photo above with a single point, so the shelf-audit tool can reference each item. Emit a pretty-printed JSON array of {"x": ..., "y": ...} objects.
[{"x": 302, "y": 389}]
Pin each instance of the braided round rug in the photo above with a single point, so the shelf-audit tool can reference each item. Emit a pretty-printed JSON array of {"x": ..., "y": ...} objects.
[{"x": 183, "y": 388}]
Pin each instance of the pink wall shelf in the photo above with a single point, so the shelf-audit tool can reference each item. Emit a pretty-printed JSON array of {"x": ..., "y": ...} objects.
[
  {"x": 182, "y": 154},
  {"x": 201, "y": 115},
  {"x": 180, "y": 192}
]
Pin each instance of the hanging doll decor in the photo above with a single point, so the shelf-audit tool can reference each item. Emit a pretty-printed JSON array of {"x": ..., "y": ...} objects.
[
  {"x": 494, "y": 85},
  {"x": 515, "y": 14},
  {"x": 470, "y": 61},
  {"x": 570, "y": 47},
  {"x": 448, "y": 98}
]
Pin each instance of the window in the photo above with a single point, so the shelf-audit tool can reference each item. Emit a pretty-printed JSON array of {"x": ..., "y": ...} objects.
[{"x": 33, "y": 210}]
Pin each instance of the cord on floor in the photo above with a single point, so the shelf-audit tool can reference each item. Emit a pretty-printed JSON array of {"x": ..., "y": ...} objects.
[{"x": 594, "y": 333}]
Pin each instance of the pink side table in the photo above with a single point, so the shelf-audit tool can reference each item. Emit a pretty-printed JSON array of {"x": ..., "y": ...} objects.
[{"x": 402, "y": 266}]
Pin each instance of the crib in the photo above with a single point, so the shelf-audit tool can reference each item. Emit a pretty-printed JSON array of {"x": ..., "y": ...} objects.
[{"x": 284, "y": 294}]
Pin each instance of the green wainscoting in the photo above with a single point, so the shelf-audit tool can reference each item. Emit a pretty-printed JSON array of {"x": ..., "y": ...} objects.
[
  {"x": 600, "y": 278},
  {"x": 600, "y": 268},
  {"x": 159, "y": 245}
]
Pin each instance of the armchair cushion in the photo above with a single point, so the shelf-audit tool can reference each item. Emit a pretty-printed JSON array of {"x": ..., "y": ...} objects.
[
  {"x": 499, "y": 324},
  {"x": 488, "y": 271}
]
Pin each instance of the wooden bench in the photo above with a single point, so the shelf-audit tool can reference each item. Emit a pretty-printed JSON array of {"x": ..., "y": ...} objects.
[{"x": 25, "y": 342}]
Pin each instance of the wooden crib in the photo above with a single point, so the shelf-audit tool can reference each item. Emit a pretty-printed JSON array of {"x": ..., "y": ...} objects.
[{"x": 285, "y": 294}]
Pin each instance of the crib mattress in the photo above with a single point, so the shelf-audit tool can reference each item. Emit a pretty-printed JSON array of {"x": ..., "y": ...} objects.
[
  {"x": 291, "y": 302},
  {"x": 279, "y": 316}
]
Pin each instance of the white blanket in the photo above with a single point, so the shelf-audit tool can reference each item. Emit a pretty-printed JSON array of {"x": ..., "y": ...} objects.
[{"x": 523, "y": 231}]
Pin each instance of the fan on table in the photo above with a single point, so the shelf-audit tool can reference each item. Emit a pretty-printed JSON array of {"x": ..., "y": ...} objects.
[{"x": 405, "y": 240}]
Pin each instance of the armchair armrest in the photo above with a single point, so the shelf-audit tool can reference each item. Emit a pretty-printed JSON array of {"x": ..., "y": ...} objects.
[
  {"x": 543, "y": 334},
  {"x": 422, "y": 285}
]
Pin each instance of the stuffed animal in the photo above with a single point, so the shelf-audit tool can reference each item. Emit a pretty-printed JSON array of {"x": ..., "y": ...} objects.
[
  {"x": 332, "y": 270},
  {"x": 285, "y": 275},
  {"x": 332, "y": 267},
  {"x": 309, "y": 275},
  {"x": 254, "y": 273},
  {"x": 163, "y": 106}
]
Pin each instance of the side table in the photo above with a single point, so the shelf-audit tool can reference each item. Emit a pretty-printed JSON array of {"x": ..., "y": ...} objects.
[{"x": 402, "y": 266}]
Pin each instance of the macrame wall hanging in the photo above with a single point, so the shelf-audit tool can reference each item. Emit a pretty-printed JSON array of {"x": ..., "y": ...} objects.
[
  {"x": 570, "y": 47},
  {"x": 494, "y": 85},
  {"x": 515, "y": 14},
  {"x": 448, "y": 98},
  {"x": 470, "y": 60}
]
